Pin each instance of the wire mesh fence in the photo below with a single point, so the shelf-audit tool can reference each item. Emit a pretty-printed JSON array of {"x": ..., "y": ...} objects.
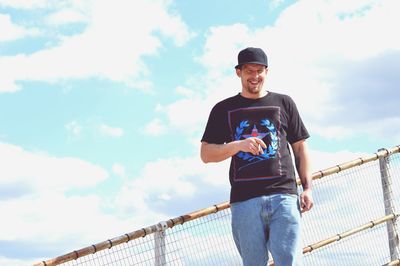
[
  {"x": 344, "y": 201},
  {"x": 352, "y": 209}
]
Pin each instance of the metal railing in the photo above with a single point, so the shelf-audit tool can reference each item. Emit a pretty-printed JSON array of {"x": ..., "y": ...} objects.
[{"x": 354, "y": 221}]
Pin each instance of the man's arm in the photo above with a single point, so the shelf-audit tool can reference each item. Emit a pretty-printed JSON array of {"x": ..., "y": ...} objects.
[
  {"x": 218, "y": 152},
  {"x": 303, "y": 166}
]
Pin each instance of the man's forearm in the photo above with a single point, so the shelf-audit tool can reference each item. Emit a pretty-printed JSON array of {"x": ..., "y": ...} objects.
[
  {"x": 303, "y": 167},
  {"x": 306, "y": 181},
  {"x": 218, "y": 152}
]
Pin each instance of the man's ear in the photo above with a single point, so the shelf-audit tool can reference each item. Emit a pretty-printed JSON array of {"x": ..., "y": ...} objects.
[{"x": 238, "y": 72}]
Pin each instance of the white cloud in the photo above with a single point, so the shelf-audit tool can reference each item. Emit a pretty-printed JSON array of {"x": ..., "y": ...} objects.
[
  {"x": 159, "y": 108},
  {"x": 17, "y": 262},
  {"x": 185, "y": 115},
  {"x": 111, "y": 131},
  {"x": 164, "y": 182},
  {"x": 172, "y": 175},
  {"x": 74, "y": 128},
  {"x": 36, "y": 183},
  {"x": 215, "y": 174},
  {"x": 222, "y": 44},
  {"x": 11, "y": 31},
  {"x": 23, "y": 4},
  {"x": 41, "y": 172},
  {"x": 66, "y": 16},
  {"x": 332, "y": 132},
  {"x": 275, "y": 3},
  {"x": 304, "y": 47},
  {"x": 7, "y": 83},
  {"x": 36, "y": 194},
  {"x": 325, "y": 29},
  {"x": 184, "y": 91},
  {"x": 165, "y": 197},
  {"x": 119, "y": 169},
  {"x": 80, "y": 221},
  {"x": 173, "y": 179},
  {"x": 383, "y": 128},
  {"x": 386, "y": 128},
  {"x": 322, "y": 160},
  {"x": 111, "y": 46},
  {"x": 155, "y": 128},
  {"x": 172, "y": 26}
]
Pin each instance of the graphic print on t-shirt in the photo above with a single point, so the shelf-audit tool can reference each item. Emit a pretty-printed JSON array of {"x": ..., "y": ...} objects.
[{"x": 262, "y": 123}]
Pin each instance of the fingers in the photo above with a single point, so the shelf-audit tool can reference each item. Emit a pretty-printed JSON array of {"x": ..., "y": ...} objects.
[
  {"x": 306, "y": 206},
  {"x": 255, "y": 147},
  {"x": 306, "y": 202},
  {"x": 260, "y": 142}
]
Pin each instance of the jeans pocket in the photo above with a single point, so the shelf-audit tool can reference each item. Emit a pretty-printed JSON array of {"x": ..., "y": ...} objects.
[{"x": 292, "y": 195}]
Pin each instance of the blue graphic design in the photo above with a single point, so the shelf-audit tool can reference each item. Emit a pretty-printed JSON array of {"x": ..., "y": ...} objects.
[{"x": 271, "y": 149}]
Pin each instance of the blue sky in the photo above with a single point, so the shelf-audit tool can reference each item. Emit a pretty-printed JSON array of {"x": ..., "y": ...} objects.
[{"x": 103, "y": 104}]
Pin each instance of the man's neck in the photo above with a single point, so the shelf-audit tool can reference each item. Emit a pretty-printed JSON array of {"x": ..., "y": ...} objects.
[{"x": 261, "y": 94}]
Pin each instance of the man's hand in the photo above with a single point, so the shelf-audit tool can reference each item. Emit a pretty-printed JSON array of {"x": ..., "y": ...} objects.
[
  {"x": 306, "y": 200},
  {"x": 253, "y": 145}
]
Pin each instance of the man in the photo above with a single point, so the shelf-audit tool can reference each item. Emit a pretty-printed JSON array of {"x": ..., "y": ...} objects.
[{"x": 255, "y": 129}]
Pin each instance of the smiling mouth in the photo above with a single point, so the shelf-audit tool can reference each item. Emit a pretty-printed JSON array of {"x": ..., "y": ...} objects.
[{"x": 254, "y": 83}]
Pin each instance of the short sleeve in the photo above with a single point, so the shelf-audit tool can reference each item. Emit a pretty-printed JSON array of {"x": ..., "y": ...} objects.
[
  {"x": 216, "y": 128},
  {"x": 296, "y": 129}
]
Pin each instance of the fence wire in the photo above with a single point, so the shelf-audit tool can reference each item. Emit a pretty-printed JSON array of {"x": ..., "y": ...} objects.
[
  {"x": 204, "y": 241},
  {"x": 343, "y": 201}
]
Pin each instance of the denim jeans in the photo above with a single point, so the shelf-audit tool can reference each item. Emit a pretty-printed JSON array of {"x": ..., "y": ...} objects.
[{"x": 268, "y": 223}]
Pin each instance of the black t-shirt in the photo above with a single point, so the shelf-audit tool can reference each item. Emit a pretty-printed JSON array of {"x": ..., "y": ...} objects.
[{"x": 273, "y": 118}]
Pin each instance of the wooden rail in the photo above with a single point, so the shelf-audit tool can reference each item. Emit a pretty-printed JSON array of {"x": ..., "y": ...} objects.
[
  {"x": 330, "y": 240},
  {"x": 131, "y": 236},
  {"x": 204, "y": 212},
  {"x": 348, "y": 233}
]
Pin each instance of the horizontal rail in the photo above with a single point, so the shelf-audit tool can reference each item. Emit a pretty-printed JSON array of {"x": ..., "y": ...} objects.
[
  {"x": 393, "y": 263},
  {"x": 348, "y": 233},
  {"x": 200, "y": 213},
  {"x": 133, "y": 235},
  {"x": 357, "y": 162}
]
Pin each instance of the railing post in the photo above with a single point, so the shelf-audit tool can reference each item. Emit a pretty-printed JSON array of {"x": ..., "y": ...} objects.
[
  {"x": 159, "y": 244},
  {"x": 389, "y": 206}
]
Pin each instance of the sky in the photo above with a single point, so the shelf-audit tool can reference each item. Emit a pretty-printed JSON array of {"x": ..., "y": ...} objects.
[{"x": 103, "y": 104}]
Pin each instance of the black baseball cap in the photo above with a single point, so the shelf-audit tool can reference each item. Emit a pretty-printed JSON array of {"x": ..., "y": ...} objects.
[{"x": 252, "y": 55}]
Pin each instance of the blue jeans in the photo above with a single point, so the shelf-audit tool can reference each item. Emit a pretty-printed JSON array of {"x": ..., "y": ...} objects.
[{"x": 268, "y": 223}]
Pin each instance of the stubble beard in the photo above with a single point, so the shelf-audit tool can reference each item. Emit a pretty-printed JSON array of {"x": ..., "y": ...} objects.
[{"x": 250, "y": 88}]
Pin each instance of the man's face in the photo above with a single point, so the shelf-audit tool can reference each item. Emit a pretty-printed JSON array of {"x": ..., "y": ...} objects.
[{"x": 252, "y": 77}]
